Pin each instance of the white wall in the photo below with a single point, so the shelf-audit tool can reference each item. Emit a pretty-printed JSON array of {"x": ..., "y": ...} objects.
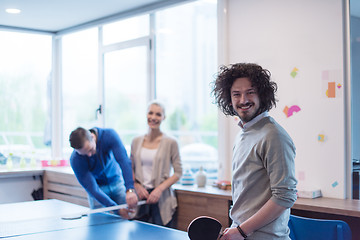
[
  {"x": 282, "y": 35},
  {"x": 18, "y": 189}
]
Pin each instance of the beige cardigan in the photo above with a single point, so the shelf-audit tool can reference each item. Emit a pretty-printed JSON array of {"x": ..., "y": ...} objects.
[{"x": 167, "y": 156}]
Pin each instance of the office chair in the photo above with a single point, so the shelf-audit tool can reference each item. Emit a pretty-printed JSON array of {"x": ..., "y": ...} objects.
[{"x": 302, "y": 228}]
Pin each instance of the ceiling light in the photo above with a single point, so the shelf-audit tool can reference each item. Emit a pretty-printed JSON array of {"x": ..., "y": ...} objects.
[{"x": 13, "y": 10}]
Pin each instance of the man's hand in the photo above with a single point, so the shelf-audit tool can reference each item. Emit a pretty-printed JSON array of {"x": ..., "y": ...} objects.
[
  {"x": 126, "y": 213},
  {"x": 131, "y": 200},
  {"x": 231, "y": 234}
]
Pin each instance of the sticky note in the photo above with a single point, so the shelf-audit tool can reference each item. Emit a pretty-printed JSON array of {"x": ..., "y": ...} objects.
[
  {"x": 294, "y": 72},
  {"x": 331, "y": 90},
  {"x": 289, "y": 111}
]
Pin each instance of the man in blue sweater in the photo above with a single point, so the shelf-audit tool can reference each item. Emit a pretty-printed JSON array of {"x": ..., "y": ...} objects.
[{"x": 98, "y": 160}]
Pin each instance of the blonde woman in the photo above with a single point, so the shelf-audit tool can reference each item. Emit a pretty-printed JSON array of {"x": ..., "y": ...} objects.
[{"x": 153, "y": 157}]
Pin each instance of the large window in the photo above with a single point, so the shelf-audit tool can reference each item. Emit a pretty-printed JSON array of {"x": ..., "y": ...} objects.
[
  {"x": 108, "y": 74},
  {"x": 186, "y": 60},
  {"x": 125, "y": 53},
  {"x": 25, "y": 77},
  {"x": 125, "y": 30},
  {"x": 169, "y": 55},
  {"x": 80, "y": 88},
  {"x": 125, "y": 75}
]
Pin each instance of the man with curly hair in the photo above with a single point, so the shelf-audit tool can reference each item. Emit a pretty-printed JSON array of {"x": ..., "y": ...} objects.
[{"x": 263, "y": 182}]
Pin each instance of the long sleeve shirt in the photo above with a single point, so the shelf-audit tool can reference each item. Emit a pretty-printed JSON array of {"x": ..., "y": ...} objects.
[
  {"x": 263, "y": 169},
  {"x": 110, "y": 164}
]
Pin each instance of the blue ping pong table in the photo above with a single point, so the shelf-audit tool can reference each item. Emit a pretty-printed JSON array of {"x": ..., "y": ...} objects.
[{"x": 44, "y": 220}]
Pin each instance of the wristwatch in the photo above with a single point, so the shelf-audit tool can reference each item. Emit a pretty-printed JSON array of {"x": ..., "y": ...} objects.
[{"x": 130, "y": 190}]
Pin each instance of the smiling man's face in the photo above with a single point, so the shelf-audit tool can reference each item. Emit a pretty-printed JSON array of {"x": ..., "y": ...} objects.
[{"x": 245, "y": 99}]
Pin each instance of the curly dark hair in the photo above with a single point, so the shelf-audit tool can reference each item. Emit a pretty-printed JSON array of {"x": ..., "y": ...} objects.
[{"x": 259, "y": 78}]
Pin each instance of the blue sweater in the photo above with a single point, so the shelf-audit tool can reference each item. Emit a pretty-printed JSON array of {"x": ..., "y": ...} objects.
[{"x": 104, "y": 167}]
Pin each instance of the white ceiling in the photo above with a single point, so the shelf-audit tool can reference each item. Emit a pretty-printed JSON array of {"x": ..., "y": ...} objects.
[{"x": 57, "y": 15}]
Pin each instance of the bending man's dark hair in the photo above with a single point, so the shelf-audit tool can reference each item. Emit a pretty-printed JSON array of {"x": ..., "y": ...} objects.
[
  {"x": 78, "y": 137},
  {"x": 259, "y": 78}
]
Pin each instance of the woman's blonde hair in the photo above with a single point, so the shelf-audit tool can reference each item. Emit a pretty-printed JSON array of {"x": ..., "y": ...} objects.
[{"x": 157, "y": 103}]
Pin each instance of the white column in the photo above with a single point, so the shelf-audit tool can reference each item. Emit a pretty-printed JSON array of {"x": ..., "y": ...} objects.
[
  {"x": 56, "y": 110},
  {"x": 224, "y": 142}
]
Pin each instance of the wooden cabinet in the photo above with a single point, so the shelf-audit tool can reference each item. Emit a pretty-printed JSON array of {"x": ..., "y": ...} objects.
[
  {"x": 347, "y": 210},
  {"x": 63, "y": 185},
  {"x": 194, "y": 202}
]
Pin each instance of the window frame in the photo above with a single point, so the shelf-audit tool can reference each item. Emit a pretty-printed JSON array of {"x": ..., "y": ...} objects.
[{"x": 103, "y": 49}]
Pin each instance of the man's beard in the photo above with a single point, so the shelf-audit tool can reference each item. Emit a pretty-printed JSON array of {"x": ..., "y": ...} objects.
[{"x": 247, "y": 118}]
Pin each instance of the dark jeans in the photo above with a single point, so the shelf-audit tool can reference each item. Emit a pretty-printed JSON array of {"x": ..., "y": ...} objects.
[{"x": 151, "y": 213}]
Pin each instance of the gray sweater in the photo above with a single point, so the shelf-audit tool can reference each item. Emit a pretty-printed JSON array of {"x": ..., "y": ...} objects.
[{"x": 263, "y": 168}]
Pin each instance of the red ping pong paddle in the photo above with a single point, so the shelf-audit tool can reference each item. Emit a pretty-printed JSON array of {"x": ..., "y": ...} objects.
[{"x": 204, "y": 227}]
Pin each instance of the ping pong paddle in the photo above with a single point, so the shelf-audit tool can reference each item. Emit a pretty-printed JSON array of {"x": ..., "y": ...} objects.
[
  {"x": 98, "y": 210},
  {"x": 204, "y": 227}
]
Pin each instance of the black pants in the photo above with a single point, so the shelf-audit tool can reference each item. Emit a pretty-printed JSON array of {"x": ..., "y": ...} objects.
[{"x": 151, "y": 213}]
